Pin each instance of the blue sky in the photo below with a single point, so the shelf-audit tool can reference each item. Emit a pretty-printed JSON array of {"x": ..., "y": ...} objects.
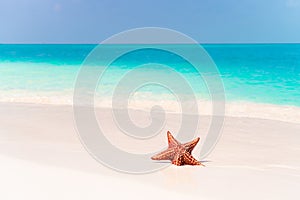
[{"x": 91, "y": 21}]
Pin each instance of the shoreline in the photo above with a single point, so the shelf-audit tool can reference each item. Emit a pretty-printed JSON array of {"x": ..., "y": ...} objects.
[{"x": 284, "y": 113}]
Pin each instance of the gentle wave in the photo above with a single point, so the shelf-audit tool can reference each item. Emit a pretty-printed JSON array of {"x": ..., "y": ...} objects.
[{"x": 232, "y": 108}]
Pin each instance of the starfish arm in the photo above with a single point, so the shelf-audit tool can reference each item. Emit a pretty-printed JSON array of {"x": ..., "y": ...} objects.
[
  {"x": 178, "y": 160},
  {"x": 172, "y": 142},
  {"x": 191, "y": 145},
  {"x": 190, "y": 160},
  {"x": 165, "y": 155}
]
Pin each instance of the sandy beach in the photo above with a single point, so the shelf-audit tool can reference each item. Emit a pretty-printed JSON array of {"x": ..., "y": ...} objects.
[
  {"x": 99, "y": 98},
  {"x": 42, "y": 158}
]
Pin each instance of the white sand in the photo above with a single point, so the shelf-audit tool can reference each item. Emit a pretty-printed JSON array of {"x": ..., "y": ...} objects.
[{"x": 42, "y": 158}]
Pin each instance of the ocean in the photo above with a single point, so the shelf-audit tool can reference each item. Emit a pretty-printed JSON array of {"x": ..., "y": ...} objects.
[{"x": 255, "y": 73}]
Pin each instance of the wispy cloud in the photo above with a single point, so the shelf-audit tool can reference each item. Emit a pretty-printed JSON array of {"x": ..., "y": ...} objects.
[
  {"x": 293, "y": 3},
  {"x": 57, "y": 7}
]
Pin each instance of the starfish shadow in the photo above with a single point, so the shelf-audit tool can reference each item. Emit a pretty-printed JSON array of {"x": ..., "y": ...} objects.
[{"x": 203, "y": 161}]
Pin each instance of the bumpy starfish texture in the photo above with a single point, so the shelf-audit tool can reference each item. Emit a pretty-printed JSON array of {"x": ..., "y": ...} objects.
[{"x": 179, "y": 154}]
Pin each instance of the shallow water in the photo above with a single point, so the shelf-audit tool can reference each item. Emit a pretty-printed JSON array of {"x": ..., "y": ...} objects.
[{"x": 259, "y": 73}]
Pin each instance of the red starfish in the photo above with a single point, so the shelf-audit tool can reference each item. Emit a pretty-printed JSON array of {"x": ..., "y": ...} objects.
[{"x": 179, "y": 154}]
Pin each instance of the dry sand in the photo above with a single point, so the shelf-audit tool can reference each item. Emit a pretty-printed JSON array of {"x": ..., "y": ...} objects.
[{"x": 42, "y": 158}]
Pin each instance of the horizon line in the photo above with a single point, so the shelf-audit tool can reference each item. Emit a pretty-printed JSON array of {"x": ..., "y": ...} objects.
[{"x": 206, "y": 43}]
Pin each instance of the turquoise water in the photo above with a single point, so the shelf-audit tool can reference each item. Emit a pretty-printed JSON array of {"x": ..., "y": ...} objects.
[{"x": 264, "y": 73}]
